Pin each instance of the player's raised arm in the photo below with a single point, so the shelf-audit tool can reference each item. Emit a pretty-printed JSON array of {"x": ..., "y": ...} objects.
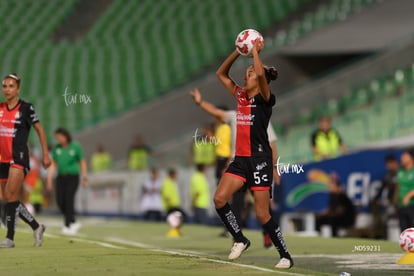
[
  {"x": 206, "y": 106},
  {"x": 223, "y": 72},
  {"x": 260, "y": 71}
]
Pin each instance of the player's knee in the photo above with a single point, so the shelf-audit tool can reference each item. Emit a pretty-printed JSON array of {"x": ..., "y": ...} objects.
[
  {"x": 219, "y": 201},
  {"x": 262, "y": 216},
  {"x": 10, "y": 196}
]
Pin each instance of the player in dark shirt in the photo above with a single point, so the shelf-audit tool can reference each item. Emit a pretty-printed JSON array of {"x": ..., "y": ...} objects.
[
  {"x": 340, "y": 211},
  {"x": 253, "y": 164},
  {"x": 389, "y": 181},
  {"x": 16, "y": 119}
]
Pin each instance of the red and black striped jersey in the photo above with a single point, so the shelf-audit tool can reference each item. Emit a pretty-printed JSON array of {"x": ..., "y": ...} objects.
[
  {"x": 15, "y": 126},
  {"x": 253, "y": 117}
]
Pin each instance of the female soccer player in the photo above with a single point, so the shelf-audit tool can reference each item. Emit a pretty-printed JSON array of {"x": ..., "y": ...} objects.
[
  {"x": 230, "y": 117},
  {"x": 16, "y": 118},
  {"x": 253, "y": 160},
  {"x": 68, "y": 160}
]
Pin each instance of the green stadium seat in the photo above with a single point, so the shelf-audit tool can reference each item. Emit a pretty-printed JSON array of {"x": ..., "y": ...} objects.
[
  {"x": 304, "y": 117},
  {"x": 361, "y": 120},
  {"x": 122, "y": 62},
  {"x": 332, "y": 108},
  {"x": 360, "y": 97},
  {"x": 345, "y": 102}
]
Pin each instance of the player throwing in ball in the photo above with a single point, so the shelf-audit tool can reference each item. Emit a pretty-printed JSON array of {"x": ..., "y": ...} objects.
[
  {"x": 16, "y": 119},
  {"x": 252, "y": 164}
]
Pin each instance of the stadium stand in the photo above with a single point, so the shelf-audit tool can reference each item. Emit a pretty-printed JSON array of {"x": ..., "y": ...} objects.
[
  {"x": 115, "y": 62},
  {"x": 326, "y": 13},
  {"x": 120, "y": 63},
  {"x": 377, "y": 110}
]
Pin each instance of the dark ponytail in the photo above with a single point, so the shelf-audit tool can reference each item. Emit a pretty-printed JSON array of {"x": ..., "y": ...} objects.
[{"x": 271, "y": 73}]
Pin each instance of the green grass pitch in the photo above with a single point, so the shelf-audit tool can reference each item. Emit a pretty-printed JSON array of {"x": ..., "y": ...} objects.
[{"x": 121, "y": 247}]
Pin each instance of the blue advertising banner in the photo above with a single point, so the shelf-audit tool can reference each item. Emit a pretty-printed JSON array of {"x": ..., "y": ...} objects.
[{"x": 305, "y": 186}]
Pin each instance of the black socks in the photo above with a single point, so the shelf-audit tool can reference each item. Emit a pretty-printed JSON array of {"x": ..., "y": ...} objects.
[
  {"x": 276, "y": 236},
  {"x": 14, "y": 209},
  {"x": 11, "y": 210},
  {"x": 231, "y": 223},
  {"x": 2, "y": 212},
  {"x": 25, "y": 215}
]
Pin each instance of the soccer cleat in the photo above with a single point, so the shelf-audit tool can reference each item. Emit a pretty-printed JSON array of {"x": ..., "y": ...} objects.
[
  {"x": 7, "y": 243},
  {"x": 284, "y": 263},
  {"x": 75, "y": 227},
  {"x": 38, "y": 235},
  {"x": 68, "y": 231},
  {"x": 238, "y": 248}
]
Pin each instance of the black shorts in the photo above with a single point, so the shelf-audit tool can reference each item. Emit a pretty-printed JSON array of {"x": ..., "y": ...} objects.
[
  {"x": 221, "y": 164},
  {"x": 256, "y": 172},
  {"x": 4, "y": 170}
]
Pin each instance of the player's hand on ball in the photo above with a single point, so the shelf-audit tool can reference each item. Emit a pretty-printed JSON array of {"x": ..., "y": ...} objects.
[
  {"x": 258, "y": 45},
  {"x": 196, "y": 95}
]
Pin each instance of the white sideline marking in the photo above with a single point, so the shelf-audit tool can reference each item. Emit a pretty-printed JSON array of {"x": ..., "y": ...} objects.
[
  {"x": 103, "y": 244},
  {"x": 75, "y": 238},
  {"x": 199, "y": 256},
  {"x": 191, "y": 254}
]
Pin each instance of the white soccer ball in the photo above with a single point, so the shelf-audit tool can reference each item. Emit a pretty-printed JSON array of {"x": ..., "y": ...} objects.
[
  {"x": 245, "y": 41},
  {"x": 175, "y": 219},
  {"x": 407, "y": 240}
]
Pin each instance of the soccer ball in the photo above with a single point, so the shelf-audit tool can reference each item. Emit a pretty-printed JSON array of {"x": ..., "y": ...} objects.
[
  {"x": 245, "y": 41},
  {"x": 175, "y": 219},
  {"x": 407, "y": 240}
]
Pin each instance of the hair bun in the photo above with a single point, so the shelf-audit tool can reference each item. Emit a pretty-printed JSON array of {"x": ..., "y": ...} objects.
[{"x": 271, "y": 74}]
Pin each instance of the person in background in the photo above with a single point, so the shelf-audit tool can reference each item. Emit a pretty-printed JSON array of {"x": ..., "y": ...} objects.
[
  {"x": 101, "y": 160},
  {"x": 404, "y": 195},
  {"x": 171, "y": 200},
  {"x": 151, "y": 204},
  {"x": 382, "y": 205},
  {"x": 30, "y": 182},
  {"x": 223, "y": 145},
  {"x": 69, "y": 162},
  {"x": 204, "y": 147},
  {"x": 389, "y": 181},
  {"x": 200, "y": 195},
  {"x": 326, "y": 141},
  {"x": 138, "y": 155},
  {"x": 36, "y": 197},
  {"x": 40, "y": 195},
  {"x": 340, "y": 212}
]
